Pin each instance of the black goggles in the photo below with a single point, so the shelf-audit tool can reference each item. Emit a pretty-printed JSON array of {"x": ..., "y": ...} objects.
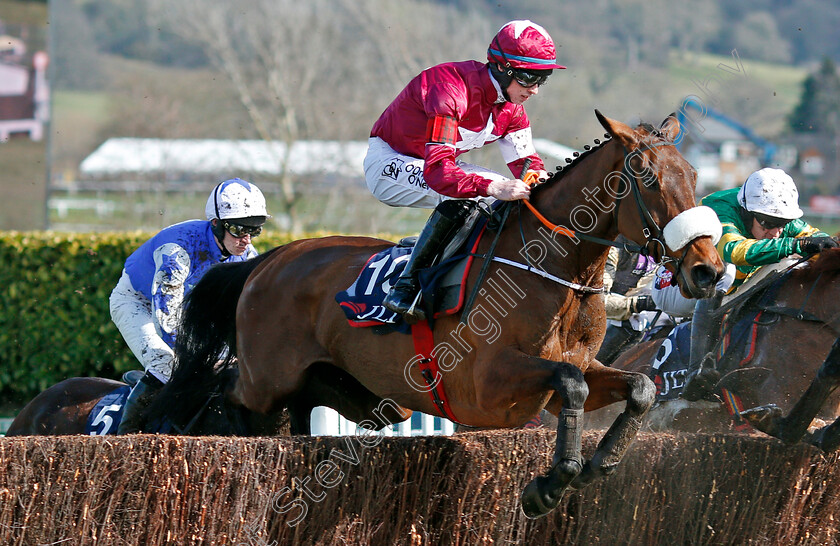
[
  {"x": 239, "y": 231},
  {"x": 529, "y": 79},
  {"x": 770, "y": 222}
]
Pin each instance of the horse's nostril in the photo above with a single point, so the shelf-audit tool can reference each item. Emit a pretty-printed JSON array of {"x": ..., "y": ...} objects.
[{"x": 704, "y": 276}]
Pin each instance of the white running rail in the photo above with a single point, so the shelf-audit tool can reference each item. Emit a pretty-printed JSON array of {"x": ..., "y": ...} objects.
[{"x": 327, "y": 422}]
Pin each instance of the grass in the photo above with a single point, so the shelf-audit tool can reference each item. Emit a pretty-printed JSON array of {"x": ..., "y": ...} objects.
[
  {"x": 760, "y": 96},
  {"x": 23, "y": 176},
  {"x": 78, "y": 118},
  {"x": 93, "y": 106},
  {"x": 785, "y": 80}
]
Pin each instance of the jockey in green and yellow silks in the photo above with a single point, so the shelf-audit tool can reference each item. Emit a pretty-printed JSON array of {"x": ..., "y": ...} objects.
[
  {"x": 739, "y": 246},
  {"x": 762, "y": 224}
]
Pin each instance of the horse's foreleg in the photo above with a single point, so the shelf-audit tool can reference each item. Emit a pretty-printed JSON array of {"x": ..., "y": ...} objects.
[
  {"x": 827, "y": 438},
  {"x": 640, "y": 392},
  {"x": 544, "y": 492},
  {"x": 792, "y": 428},
  {"x": 300, "y": 418}
]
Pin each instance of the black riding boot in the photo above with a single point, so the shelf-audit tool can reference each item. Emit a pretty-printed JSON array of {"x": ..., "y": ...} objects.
[
  {"x": 615, "y": 340},
  {"x": 138, "y": 400},
  {"x": 705, "y": 325},
  {"x": 444, "y": 222}
]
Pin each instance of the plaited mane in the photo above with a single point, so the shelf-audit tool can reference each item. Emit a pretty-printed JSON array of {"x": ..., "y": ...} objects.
[{"x": 577, "y": 157}]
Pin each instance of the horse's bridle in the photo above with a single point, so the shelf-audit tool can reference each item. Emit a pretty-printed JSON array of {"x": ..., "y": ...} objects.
[
  {"x": 654, "y": 235},
  {"x": 650, "y": 228}
]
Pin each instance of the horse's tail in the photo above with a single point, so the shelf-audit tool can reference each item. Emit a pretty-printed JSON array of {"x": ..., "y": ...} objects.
[{"x": 205, "y": 344}]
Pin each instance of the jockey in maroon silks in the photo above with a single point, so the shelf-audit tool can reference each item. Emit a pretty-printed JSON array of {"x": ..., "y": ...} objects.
[{"x": 442, "y": 113}]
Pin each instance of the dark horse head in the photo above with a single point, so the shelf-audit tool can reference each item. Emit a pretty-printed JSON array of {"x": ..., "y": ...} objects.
[{"x": 193, "y": 401}]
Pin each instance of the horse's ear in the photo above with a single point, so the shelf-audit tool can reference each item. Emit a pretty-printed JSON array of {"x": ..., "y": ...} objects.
[
  {"x": 620, "y": 131},
  {"x": 670, "y": 128}
]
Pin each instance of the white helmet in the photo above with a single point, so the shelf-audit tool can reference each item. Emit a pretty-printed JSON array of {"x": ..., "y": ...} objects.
[
  {"x": 236, "y": 199},
  {"x": 771, "y": 192}
]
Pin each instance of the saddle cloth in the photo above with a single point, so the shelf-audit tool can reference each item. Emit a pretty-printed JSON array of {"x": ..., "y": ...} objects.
[
  {"x": 671, "y": 362},
  {"x": 442, "y": 286},
  {"x": 106, "y": 415}
]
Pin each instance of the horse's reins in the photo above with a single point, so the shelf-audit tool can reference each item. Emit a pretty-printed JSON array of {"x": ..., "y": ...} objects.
[
  {"x": 650, "y": 228},
  {"x": 465, "y": 313},
  {"x": 757, "y": 290}
]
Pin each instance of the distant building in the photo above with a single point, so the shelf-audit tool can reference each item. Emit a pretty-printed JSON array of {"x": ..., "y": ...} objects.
[
  {"x": 24, "y": 96},
  {"x": 812, "y": 162},
  {"x": 816, "y": 170},
  {"x": 723, "y": 151},
  {"x": 140, "y": 164},
  {"x": 144, "y": 164},
  {"x": 12, "y": 49}
]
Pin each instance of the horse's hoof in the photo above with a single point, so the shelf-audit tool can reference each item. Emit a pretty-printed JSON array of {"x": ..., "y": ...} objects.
[
  {"x": 534, "y": 503},
  {"x": 589, "y": 474},
  {"x": 700, "y": 384},
  {"x": 543, "y": 494},
  {"x": 764, "y": 418}
]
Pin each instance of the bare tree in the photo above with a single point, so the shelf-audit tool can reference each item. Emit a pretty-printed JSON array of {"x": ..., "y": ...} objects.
[
  {"x": 272, "y": 51},
  {"x": 293, "y": 64}
]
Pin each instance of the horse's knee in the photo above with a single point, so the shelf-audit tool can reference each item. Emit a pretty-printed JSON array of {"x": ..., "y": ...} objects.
[
  {"x": 570, "y": 384},
  {"x": 641, "y": 394}
]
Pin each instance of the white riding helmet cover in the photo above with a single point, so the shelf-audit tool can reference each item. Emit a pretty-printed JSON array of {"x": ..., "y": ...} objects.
[
  {"x": 236, "y": 198},
  {"x": 771, "y": 192}
]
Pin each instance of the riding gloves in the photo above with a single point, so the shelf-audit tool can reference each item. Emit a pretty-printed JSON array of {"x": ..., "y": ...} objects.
[
  {"x": 642, "y": 303},
  {"x": 813, "y": 245}
]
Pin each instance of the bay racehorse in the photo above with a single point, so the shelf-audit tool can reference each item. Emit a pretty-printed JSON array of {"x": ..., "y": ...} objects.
[
  {"x": 793, "y": 337},
  {"x": 62, "y": 408},
  {"x": 65, "y": 409},
  {"x": 510, "y": 357}
]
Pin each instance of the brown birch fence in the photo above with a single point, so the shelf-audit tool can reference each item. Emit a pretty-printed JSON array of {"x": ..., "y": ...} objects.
[{"x": 464, "y": 489}]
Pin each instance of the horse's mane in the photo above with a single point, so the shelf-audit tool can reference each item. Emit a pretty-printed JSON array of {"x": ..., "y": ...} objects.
[
  {"x": 827, "y": 262},
  {"x": 571, "y": 163},
  {"x": 578, "y": 157}
]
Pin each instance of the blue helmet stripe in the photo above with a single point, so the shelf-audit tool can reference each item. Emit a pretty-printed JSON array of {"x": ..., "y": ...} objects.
[{"x": 534, "y": 60}]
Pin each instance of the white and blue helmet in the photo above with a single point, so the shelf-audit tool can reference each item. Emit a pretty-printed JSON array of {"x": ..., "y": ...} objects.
[{"x": 237, "y": 200}]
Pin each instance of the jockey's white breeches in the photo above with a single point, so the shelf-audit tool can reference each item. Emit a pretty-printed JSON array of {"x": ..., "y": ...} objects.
[
  {"x": 131, "y": 311},
  {"x": 397, "y": 179}
]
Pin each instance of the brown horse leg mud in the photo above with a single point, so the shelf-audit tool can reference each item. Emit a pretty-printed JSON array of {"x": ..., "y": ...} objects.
[
  {"x": 639, "y": 392},
  {"x": 792, "y": 427},
  {"x": 572, "y": 394}
]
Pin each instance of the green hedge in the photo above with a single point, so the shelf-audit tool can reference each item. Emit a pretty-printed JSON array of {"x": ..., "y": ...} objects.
[{"x": 54, "y": 321}]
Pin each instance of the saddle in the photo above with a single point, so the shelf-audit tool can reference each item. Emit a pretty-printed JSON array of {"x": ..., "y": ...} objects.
[{"x": 442, "y": 284}]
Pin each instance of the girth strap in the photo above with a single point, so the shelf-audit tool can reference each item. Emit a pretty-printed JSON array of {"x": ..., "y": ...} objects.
[{"x": 424, "y": 343}]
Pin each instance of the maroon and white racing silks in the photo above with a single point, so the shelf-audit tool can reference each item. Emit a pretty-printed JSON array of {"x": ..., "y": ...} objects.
[{"x": 450, "y": 109}]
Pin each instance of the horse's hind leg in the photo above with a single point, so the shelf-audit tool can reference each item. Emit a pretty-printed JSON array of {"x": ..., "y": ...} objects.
[
  {"x": 791, "y": 428},
  {"x": 608, "y": 385},
  {"x": 544, "y": 492}
]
